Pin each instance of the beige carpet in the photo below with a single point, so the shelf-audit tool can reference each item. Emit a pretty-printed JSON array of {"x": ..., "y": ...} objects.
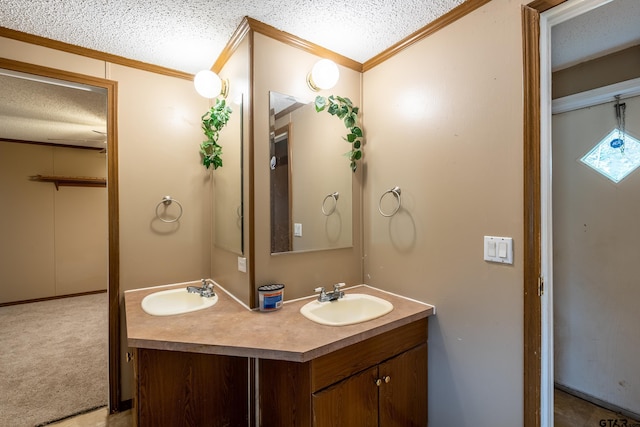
[{"x": 53, "y": 359}]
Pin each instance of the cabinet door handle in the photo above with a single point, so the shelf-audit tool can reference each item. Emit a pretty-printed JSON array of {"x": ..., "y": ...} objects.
[{"x": 386, "y": 379}]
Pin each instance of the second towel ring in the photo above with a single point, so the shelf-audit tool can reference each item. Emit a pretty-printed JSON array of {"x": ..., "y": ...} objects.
[
  {"x": 335, "y": 197},
  {"x": 396, "y": 192},
  {"x": 167, "y": 200}
]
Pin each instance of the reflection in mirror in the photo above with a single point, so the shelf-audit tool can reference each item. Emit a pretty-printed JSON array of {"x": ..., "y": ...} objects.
[
  {"x": 308, "y": 167},
  {"x": 227, "y": 181}
]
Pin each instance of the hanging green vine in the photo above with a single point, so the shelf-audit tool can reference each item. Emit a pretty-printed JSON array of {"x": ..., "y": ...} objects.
[
  {"x": 348, "y": 113},
  {"x": 212, "y": 123}
]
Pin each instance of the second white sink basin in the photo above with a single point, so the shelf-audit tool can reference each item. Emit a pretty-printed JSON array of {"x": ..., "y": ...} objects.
[
  {"x": 350, "y": 309},
  {"x": 175, "y": 301}
]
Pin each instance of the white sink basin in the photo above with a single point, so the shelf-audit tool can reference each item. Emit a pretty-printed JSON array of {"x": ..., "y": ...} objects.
[
  {"x": 175, "y": 301},
  {"x": 350, "y": 309}
]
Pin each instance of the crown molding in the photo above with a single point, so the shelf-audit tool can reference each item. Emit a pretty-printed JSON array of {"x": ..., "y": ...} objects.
[
  {"x": 253, "y": 25},
  {"x": 91, "y": 53},
  {"x": 234, "y": 42},
  {"x": 249, "y": 24},
  {"x": 435, "y": 26},
  {"x": 307, "y": 46}
]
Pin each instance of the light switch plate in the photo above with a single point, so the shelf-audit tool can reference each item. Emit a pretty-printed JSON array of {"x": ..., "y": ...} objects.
[
  {"x": 498, "y": 249},
  {"x": 242, "y": 264}
]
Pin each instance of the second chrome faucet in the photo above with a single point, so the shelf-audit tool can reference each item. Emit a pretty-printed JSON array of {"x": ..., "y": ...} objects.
[
  {"x": 334, "y": 295},
  {"x": 205, "y": 291}
]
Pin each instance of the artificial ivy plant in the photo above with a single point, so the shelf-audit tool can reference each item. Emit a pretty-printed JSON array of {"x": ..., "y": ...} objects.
[
  {"x": 344, "y": 109},
  {"x": 212, "y": 122}
]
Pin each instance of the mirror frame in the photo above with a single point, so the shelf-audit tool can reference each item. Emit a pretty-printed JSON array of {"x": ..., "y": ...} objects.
[{"x": 113, "y": 209}]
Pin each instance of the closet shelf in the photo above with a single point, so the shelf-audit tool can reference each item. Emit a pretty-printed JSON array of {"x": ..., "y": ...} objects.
[{"x": 72, "y": 181}]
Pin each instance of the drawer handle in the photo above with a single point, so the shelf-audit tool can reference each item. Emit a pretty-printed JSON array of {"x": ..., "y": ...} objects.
[
  {"x": 387, "y": 379},
  {"x": 378, "y": 382}
]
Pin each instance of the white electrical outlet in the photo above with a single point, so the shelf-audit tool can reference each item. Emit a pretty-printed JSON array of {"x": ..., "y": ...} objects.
[
  {"x": 498, "y": 249},
  {"x": 297, "y": 229}
]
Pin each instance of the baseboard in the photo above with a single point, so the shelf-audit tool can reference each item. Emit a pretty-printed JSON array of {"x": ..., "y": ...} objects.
[
  {"x": 57, "y": 420},
  {"x": 606, "y": 405},
  {"x": 125, "y": 405},
  {"x": 28, "y": 301}
]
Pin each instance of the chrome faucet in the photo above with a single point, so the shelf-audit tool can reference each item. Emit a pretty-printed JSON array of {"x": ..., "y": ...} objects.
[
  {"x": 205, "y": 291},
  {"x": 332, "y": 295}
]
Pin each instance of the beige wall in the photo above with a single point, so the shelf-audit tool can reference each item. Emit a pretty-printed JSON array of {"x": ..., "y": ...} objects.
[
  {"x": 54, "y": 241},
  {"x": 158, "y": 140},
  {"x": 607, "y": 70},
  {"x": 282, "y": 68},
  {"x": 595, "y": 263},
  {"x": 443, "y": 120}
]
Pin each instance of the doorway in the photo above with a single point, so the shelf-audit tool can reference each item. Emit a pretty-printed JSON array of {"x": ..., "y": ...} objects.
[
  {"x": 113, "y": 288},
  {"x": 594, "y": 254},
  {"x": 280, "y": 182},
  {"x": 538, "y": 17}
]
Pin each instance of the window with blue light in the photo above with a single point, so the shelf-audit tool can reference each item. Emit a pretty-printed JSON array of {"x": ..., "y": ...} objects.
[{"x": 615, "y": 156}]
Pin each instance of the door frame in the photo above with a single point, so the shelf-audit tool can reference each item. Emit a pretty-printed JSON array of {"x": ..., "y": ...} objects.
[
  {"x": 112, "y": 206},
  {"x": 537, "y": 18},
  {"x": 286, "y": 129}
]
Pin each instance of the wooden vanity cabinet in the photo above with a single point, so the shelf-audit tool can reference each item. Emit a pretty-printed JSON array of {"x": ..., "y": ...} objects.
[
  {"x": 175, "y": 388},
  {"x": 381, "y": 381}
]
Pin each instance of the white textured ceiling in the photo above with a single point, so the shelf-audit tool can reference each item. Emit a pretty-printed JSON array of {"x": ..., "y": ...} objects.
[
  {"x": 606, "y": 29},
  {"x": 188, "y": 35}
]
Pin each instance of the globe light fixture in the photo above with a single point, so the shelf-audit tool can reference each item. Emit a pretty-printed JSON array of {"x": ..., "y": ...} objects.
[
  {"x": 324, "y": 75},
  {"x": 209, "y": 85}
]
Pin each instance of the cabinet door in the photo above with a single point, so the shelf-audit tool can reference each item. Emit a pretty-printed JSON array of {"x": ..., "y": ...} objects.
[
  {"x": 403, "y": 399},
  {"x": 190, "y": 389},
  {"x": 352, "y": 402}
]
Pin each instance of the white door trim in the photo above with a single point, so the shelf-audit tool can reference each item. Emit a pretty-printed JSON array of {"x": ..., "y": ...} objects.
[{"x": 548, "y": 19}]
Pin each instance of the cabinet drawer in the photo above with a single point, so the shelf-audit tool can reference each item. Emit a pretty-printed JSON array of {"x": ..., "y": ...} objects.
[{"x": 343, "y": 363}]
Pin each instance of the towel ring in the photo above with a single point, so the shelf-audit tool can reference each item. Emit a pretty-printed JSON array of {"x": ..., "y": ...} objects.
[
  {"x": 396, "y": 192},
  {"x": 333, "y": 196},
  {"x": 167, "y": 200}
]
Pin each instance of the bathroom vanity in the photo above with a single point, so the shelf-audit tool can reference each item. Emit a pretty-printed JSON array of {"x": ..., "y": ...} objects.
[
  {"x": 381, "y": 379},
  {"x": 197, "y": 368}
]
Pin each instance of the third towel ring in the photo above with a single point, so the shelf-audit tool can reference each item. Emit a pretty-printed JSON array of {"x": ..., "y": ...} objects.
[
  {"x": 333, "y": 196},
  {"x": 396, "y": 192},
  {"x": 167, "y": 200}
]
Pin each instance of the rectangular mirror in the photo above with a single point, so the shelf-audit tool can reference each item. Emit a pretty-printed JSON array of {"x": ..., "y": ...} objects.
[
  {"x": 310, "y": 178},
  {"x": 227, "y": 182}
]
